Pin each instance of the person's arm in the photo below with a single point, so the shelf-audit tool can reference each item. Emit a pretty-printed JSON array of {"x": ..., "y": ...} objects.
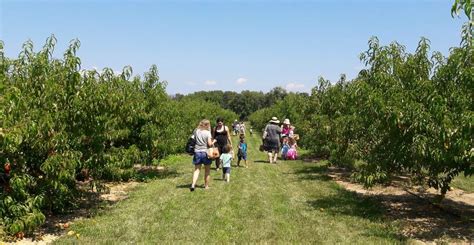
[
  {"x": 228, "y": 135},
  {"x": 279, "y": 133},
  {"x": 265, "y": 132},
  {"x": 210, "y": 141}
]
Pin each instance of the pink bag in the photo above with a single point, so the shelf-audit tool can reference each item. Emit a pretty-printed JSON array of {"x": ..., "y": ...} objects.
[{"x": 291, "y": 154}]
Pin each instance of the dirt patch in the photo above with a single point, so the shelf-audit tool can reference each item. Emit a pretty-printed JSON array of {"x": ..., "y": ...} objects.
[
  {"x": 58, "y": 225},
  {"x": 93, "y": 199},
  {"x": 422, "y": 215},
  {"x": 118, "y": 191}
]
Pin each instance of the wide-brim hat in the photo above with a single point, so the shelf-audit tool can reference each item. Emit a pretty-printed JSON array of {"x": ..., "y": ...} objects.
[
  {"x": 275, "y": 120},
  {"x": 286, "y": 121}
]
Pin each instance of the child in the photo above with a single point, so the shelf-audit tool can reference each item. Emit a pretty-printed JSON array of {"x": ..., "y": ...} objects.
[
  {"x": 285, "y": 148},
  {"x": 226, "y": 159},
  {"x": 292, "y": 154},
  {"x": 242, "y": 154},
  {"x": 292, "y": 131},
  {"x": 242, "y": 128}
]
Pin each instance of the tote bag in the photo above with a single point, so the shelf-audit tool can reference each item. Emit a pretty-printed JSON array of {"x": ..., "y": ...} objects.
[{"x": 213, "y": 153}]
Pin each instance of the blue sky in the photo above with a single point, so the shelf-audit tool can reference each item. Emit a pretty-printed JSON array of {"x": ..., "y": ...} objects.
[{"x": 229, "y": 45}]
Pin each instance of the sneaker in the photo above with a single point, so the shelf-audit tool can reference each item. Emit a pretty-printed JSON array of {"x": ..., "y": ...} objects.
[{"x": 191, "y": 188}]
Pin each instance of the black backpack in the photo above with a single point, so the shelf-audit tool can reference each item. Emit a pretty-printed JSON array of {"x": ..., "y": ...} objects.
[{"x": 190, "y": 145}]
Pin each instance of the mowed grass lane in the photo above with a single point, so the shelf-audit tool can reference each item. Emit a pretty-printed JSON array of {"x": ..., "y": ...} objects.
[{"x": 292, "y": 201}]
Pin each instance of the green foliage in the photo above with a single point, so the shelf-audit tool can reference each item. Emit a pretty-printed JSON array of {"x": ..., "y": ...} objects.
[
  {"x": 468, "y": 27},
  {"x": 292, "y": 106},
  {"x": 406, "y": 113},
  {"x": 292, "y": 203},
  {"x": 244, "y": 103},
  {"x": 421, "y": 110},
  {"x": 60, "y": 124}
]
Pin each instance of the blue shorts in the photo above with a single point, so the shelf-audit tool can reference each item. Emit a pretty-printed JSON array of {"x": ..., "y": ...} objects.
[
  {"x": 242, "y": 156},
  {"x": 201, "y": 158},
  {"x": 226, "y": 170}
]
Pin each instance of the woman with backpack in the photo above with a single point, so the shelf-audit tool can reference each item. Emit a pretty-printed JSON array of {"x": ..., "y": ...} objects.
[
  {"x": 203, "y": 139},
  {"x": 222, "y": 137}
]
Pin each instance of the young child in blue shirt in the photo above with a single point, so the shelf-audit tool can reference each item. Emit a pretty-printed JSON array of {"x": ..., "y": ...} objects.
[
  {"x": 242, "y": 153},
  {"x": 285, "y": 147},
  {"x": 226, "y": 160}
]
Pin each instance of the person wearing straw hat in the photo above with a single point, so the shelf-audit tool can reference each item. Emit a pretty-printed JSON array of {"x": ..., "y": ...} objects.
[
  {"x": 285, "y": 129},
  {"x": 271, "y": 139}
]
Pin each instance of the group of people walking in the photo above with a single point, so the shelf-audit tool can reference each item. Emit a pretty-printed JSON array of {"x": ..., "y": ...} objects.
[
  {"x": 216, "y": 145},
  {"x": 238, "y": 128},
  {"x": 207, "y": 142},
  {"x": 278, "y": 138}
]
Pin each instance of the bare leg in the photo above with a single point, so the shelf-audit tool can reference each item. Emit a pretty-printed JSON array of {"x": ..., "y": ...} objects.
[
  {"x": 197, "y": 169},
  {"x": 270, "y": 157},
  {"x": 227, "y": 177},
  {"x": 217, "y": 164},
  {"x": 275, "y": 157},
  {"x": 207, "y": 175}
]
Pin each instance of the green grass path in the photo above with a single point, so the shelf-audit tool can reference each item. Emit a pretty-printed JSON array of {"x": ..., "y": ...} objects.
[{"x": 289, "y": 202}]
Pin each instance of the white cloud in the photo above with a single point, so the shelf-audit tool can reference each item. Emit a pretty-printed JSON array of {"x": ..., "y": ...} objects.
[
  {"x": 210, "y": 82},
  {"x": 294, "y": 86},
  {"x": 241, "y": 80}
]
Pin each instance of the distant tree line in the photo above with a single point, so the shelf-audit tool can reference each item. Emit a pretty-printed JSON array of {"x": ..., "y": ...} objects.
[{"x": 243, "y": 103}]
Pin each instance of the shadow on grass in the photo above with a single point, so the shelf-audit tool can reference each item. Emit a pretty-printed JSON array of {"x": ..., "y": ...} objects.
[
  {"x": 425, "y": 221},
  {"x": 314, "y": 172},
  {"x": 418, "y": 218},
  {"x": 343, "y": 202},
  {"x": 184, "y": 186},
  {"x": 347, "y": 203},
  {"x": 311, "y": 157},
  {"x": 150, "y": 174},
  {"x": 260, "y": 161},
  {"x": 187, "y": 186},
  {"x": 89, "y": 203}
]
